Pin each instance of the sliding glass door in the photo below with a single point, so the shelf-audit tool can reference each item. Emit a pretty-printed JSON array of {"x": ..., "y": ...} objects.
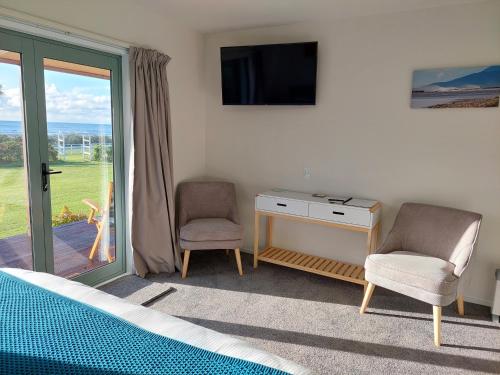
[{"x": 61, "y": 159}]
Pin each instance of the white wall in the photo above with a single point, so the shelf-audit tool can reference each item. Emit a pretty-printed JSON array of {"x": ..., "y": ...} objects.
[
  {"x": 128, "y": 21},
  {"x": 362, "y": 138}
]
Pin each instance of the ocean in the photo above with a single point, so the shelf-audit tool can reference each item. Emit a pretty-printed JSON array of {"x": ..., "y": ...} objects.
[{"x": 54, "y": 128}]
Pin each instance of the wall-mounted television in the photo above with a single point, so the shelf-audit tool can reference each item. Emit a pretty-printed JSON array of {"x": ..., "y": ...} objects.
[{"x": 271, "y": 74}]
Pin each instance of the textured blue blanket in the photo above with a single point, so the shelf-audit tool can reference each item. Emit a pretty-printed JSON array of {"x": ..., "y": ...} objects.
[{"x": 42, "y": 332}]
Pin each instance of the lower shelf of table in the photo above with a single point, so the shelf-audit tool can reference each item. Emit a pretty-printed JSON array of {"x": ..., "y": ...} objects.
[{"x": 309, "y": 263}]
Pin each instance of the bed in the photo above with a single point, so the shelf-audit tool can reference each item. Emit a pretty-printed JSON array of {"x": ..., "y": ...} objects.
[{"x": 71, "y": 311}]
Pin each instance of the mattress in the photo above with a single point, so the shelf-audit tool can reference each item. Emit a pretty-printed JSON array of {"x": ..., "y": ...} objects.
[{"x": 157, "y": 322}]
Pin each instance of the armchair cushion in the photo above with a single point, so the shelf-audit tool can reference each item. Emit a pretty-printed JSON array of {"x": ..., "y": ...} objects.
[
  {"x": 211, "y": 229},
  {"x": 419, "y": 276},
  {"x": 441, "y": 232}
]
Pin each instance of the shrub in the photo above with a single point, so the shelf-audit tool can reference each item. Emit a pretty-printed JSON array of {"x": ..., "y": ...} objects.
[
  {"x": 73, "y": 139},
  {"x": 102, "y": 153},
  {"x": 53, "y": 154},
  {"x": 12, "y": 150},
  {"x": 66, "y": 217},
  {"x": 97, "y": 153}
]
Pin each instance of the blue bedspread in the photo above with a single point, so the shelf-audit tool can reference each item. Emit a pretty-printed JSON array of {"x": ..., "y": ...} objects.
[{"x": 42, "y": 332}]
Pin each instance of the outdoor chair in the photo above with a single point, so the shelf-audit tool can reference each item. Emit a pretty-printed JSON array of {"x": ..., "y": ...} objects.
[{"x": 100, "y": 216}]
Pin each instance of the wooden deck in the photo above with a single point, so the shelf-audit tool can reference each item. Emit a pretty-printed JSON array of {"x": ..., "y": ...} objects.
[{"x": 72, "y": 243}]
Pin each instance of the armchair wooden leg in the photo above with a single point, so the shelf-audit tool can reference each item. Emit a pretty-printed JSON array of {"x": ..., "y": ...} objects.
[
  {"x": 436, "y": 311},
  {"x": 366, "y": 299},
  {"x": 460, "y": 305},
  {"x": 238, "y": 261},
  {"x": 185, "y": 263}
]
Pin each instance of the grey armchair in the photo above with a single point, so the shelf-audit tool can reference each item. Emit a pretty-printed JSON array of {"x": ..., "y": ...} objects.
[
  {"x": 423, "y": 257},
  {"x": 208, "y": 219}
]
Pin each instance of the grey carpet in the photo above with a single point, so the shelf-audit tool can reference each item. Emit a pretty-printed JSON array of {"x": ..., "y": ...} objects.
[{"x": 314, "y": 320}]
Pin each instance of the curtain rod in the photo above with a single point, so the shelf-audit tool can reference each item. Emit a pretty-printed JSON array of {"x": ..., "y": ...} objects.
[{"x": 18, "y": 21}]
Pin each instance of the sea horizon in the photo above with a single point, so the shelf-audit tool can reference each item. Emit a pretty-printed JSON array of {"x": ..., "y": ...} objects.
[{"x": 53, "y": 128}]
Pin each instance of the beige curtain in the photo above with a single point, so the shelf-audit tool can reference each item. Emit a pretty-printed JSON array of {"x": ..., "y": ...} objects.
[{"x": 153, "y": 222}]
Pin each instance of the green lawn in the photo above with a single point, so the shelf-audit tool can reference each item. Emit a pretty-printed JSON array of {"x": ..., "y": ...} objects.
[{"x": 79, "y": 180}]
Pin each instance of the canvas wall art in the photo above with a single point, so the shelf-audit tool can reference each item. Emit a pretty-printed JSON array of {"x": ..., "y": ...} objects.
[{"x": 471, "y": 87}]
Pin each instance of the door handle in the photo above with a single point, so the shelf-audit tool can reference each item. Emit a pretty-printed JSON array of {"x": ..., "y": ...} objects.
[{"x": 46, "y": 172}]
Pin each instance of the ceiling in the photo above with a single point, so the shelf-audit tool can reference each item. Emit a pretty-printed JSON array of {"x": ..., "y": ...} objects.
[
  {"x": 218, "y": 15},
  {"x": 208, "y": 16}
]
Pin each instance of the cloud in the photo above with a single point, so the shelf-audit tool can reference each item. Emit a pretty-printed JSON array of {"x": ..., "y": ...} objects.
[
  {"x": 75, "y": 105},
  {"x": 13, "y": 97},
  {"x": 10, "y": 104}
]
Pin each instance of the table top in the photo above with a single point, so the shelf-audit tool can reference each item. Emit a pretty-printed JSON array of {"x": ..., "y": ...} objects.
[{"x": 308, "y": 197}]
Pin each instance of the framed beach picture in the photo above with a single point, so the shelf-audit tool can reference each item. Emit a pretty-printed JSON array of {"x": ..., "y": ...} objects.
[{"x": 470, "y": 87}]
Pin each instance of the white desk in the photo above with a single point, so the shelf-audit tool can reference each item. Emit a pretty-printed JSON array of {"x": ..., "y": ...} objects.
[{"x": 359, "y": 215}]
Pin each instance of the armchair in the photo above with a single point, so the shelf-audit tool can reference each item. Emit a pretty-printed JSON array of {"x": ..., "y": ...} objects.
[
  {"x": 424, "y": 256},
  {"x": 208, "y": 219}
]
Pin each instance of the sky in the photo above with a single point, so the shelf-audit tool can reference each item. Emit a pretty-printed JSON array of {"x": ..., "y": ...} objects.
[
  {"x": 427, "y": 76},
  {"x": 69, "y": 97}
]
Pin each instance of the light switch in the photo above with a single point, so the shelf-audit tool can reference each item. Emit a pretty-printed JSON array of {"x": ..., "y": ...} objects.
[{"x": 307, "y": 173}]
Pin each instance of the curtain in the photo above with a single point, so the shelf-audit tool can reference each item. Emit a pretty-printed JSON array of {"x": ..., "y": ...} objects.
[{"x": 153, "y": 221}]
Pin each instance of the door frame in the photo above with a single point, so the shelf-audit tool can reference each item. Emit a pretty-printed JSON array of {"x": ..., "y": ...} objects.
[
  {"x": 34, "y": 49},
  {"x": 24, "y": 47}
]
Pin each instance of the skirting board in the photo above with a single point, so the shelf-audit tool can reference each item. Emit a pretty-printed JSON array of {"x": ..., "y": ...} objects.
[{"x": 477, "y": 301}]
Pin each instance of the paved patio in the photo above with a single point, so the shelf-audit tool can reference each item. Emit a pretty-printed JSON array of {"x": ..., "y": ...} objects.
[{"x": 72, "y": 244}]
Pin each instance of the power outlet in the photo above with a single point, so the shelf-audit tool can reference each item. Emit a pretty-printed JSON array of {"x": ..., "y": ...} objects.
[{"x": 307, "y": 173}]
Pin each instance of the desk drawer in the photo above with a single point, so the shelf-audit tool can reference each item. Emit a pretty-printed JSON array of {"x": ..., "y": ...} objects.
[
  {"x": 282, "y": 205},
  {"x": 340, "y": 214}
]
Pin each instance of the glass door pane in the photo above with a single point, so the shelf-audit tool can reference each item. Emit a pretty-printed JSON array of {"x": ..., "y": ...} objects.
[
  {"x": 60, "y": 120},
  {"x": 80, "y": 154},
  {"x": 15, "y": 223}
]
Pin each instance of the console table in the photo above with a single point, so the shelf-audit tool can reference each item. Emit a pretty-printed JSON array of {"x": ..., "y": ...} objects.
[{"x": 358, "y": 215}]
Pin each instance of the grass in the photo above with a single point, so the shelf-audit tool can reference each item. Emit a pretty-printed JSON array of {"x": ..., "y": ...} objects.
[{"x": 79, "y": 180}]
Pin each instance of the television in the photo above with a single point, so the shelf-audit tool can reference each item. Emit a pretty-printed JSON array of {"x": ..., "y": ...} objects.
[{"x": 271, "y": 74}]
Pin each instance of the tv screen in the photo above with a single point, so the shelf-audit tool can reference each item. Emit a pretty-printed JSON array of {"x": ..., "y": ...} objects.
[{"x": 270, "y": 74}]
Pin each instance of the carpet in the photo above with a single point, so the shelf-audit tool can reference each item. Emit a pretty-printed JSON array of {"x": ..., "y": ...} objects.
[{"x": 315, "y": 321}]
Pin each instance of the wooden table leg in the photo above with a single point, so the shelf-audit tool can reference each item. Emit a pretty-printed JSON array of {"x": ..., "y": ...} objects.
[
  {"x": 369, "y": 241},
  {"x": 269, "y": 232},
  {"x": 377, "y": 235},
  {"x": 256, "y": 240},
  {"x": 372, "y": 241}
]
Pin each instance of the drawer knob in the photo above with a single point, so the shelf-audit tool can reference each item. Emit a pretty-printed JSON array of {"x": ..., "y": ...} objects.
[
  {"x": 337, "y": 213},
  {"x": 281, "y": 204}
]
